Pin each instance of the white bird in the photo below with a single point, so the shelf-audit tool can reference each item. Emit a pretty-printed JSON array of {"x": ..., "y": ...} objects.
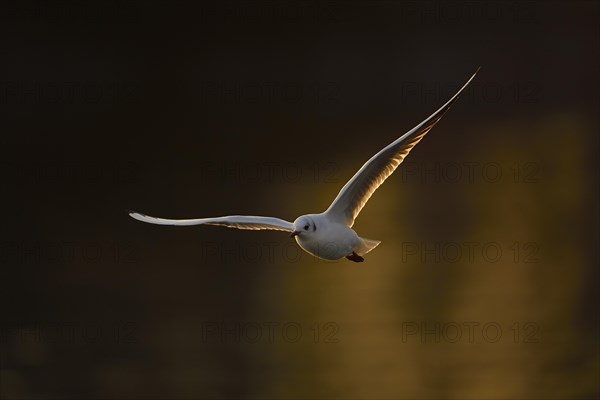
[{"x": 329, "y": 235}]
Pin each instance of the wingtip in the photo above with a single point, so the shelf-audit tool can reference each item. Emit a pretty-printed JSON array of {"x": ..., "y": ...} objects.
[
  {"x": 135, "y": 214},
  {"x": 457, "y": 94},
  {"x": 473, "y": 76}
]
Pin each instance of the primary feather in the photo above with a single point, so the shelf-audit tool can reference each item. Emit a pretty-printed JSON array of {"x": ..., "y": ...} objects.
[{"x": 355, "y": 194}]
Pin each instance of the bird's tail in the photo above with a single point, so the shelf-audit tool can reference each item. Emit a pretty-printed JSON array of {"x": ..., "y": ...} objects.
[{"x": 366, "y": 245}]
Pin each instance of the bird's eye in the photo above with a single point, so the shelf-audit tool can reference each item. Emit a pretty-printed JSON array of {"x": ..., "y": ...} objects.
[{"x": 306, "y": 227}]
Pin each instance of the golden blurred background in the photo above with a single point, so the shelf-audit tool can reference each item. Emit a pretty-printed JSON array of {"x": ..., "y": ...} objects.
[{"x": 485, "y": 285}]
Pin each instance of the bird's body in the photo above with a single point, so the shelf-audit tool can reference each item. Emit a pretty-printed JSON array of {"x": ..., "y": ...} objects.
[
  {"x": 329, "y": 239},
  {"x": 329, "y": 235}
]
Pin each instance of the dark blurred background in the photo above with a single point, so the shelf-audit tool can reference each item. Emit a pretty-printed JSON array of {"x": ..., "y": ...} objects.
[{"x": 485, "y": 284}]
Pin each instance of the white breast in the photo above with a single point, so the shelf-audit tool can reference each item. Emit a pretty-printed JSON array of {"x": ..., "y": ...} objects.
[{"x": 329, "y": 241}]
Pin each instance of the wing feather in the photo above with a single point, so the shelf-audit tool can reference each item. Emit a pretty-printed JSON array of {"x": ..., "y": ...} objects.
[
  {"x": 247, "y": 222},
  {"x": 357, "y": 191}
]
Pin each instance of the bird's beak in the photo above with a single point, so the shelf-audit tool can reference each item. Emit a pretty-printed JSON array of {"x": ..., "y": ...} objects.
[{"x": 295, "y": 233}]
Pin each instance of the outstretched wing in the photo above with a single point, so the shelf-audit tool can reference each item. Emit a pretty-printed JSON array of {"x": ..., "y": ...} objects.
[
  {"x": 355, "y": 194},
  {"x": 233, "y": 221}
]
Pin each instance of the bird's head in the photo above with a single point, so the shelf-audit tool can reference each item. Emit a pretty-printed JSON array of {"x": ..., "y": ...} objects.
[{"x": 304, "y": 226}]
